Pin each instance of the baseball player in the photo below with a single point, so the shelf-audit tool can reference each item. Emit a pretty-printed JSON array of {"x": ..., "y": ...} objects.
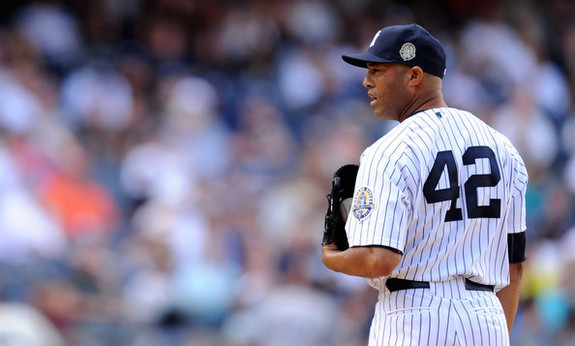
[{"x": 437, "y": 215}]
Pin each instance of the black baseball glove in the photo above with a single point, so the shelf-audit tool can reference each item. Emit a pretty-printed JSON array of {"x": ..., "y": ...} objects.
[{"x": 339, "y": 202}]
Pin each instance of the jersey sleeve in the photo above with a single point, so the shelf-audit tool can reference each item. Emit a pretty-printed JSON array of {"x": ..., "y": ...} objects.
[
  {"x": 380, "y": 208},
  {"x": 515, "y": 215}
]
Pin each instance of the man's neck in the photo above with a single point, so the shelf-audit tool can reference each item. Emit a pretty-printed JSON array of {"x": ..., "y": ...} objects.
[{"x": 425, "y": 102}]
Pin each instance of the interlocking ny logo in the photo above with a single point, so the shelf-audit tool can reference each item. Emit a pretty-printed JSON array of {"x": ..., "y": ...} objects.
[{"x": 374, "y": 39}]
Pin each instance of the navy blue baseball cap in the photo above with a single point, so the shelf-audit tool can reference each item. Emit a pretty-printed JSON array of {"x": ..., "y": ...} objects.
[{"x": 409, "y": 44}]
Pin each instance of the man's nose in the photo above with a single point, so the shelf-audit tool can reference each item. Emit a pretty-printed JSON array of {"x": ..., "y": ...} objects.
[{"x": 367, "y": 82}]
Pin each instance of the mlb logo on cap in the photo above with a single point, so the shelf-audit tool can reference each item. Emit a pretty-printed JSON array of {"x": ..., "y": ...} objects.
[{"x": 410, "y": 44}]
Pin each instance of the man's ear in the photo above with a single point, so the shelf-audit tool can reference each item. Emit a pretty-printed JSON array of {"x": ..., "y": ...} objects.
[{"x": 415, "y": 75}]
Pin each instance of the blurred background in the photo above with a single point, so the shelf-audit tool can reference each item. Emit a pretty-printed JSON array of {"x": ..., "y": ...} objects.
[{"x": 164, "y": 163}]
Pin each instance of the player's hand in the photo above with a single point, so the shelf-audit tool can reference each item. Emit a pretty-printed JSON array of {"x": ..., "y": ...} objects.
[
  {"x": 328, "y": 252},
  {"x": 331, "y": 247}
]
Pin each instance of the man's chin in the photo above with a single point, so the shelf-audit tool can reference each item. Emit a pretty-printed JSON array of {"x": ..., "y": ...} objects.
[
  {"x": 383, "y": 115},
  {"x": 379, "y": 114}
]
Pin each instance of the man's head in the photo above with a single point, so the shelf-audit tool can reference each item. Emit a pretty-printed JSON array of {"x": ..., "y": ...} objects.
[
  {"x": 405, "y": 67},
  {"x": 410, "y": 45}
]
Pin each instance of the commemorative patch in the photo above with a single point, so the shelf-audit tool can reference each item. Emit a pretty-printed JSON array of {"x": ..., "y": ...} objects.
[
  {"x": 407, "y": 51},
  {"x": 362, "y": 203}
]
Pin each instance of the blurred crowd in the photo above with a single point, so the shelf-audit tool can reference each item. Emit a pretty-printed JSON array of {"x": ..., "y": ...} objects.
[{"x": 164, "y": 163}]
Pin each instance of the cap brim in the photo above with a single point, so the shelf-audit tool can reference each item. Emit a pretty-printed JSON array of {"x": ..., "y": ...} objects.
[{"x": 361, "y": 59}]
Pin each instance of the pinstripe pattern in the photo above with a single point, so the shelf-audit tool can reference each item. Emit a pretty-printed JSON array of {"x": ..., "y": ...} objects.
[
  {"x": 442, "y": 315},
  {"x": 456, "y": 228}
]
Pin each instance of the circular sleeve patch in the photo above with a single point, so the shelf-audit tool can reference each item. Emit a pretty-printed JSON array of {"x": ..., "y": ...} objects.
[{"x": 362, "y": 203}]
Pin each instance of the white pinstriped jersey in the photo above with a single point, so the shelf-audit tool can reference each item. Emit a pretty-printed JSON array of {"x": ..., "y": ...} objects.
[{"x": 445, "y": 189}]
